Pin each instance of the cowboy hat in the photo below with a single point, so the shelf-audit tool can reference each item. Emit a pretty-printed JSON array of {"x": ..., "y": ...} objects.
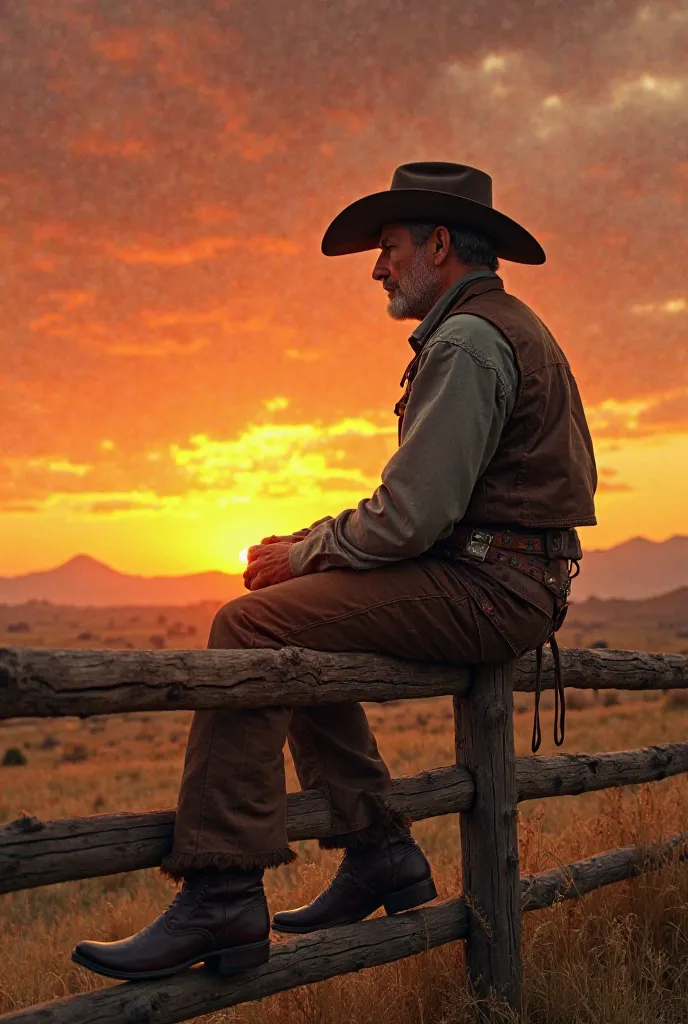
[{"x": 450, "y": 194}]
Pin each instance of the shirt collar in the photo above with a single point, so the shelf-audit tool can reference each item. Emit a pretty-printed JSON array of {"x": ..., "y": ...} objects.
[{"x": 426, "y": 327}]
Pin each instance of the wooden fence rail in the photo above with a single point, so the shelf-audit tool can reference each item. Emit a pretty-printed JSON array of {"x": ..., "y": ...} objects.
[
  {"x": 483, "y": 786},
  {"x": 35, "y": 852},
  {"x": 41, "y": 682},
  {"x": 335, "y": 951}
]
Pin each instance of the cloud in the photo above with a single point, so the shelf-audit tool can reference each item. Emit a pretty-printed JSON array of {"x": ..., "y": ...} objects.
[
  {"x": 664, "y": 412},
  {"x": 112, "y": 505},
  {"x": 58, "y": 466},
  {"x": 200, "y": 249},
  {"x": 608, "y": 482},
  {"x": 298, "y": 458},
  {"x": 265, "y": 460},
  {"x": 276, "y": 404},
  {"x": 169, "y": 174},
  {"x": 670, "y": 306},
  {"x": 301, "y": 356}
]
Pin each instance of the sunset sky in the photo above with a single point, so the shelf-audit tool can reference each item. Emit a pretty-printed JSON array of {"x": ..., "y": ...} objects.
[{"x": 182, "y": 371}]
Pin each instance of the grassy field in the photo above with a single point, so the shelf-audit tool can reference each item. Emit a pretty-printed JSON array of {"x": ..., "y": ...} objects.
[
  {"x": 655, "y": 624},
  {"x": 620, "y": 956}
]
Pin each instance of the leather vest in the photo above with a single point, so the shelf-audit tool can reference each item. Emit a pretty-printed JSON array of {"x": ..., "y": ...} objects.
[{"x": 543, "y": 472}]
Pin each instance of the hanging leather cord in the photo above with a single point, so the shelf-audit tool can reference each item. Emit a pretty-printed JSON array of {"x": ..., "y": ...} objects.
[
  {"x": 536, "y": 739},
  {"x": 559, "y": 695},
  {"x": 559, "y": 692}
]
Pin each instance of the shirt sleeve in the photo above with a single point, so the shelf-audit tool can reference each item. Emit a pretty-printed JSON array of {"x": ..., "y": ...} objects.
[{"x": 461, "y": 396}]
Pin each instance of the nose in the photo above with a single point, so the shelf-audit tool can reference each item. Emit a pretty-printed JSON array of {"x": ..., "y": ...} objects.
[{"x": 381, "y": 269}]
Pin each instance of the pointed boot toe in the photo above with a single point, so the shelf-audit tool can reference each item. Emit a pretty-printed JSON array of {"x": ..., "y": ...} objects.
[
  {"x": 111, "y": 959},
  {"x": 92, "y": 954}
]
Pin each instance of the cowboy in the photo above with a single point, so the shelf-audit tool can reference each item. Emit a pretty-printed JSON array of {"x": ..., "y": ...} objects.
[{"x": 463, "y": 553}]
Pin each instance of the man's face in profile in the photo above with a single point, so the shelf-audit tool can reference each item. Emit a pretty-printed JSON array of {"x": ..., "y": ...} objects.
[{"x": 407, "y": 272}]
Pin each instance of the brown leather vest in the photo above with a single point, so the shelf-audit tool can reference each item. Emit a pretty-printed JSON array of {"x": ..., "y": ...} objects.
[{"x": 543, "y": 472}]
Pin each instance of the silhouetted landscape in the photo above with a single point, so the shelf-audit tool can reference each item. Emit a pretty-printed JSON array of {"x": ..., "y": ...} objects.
[{"x": 636, "y": 569}]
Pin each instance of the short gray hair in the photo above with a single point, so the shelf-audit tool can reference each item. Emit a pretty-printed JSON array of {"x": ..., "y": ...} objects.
[{"x": 472, "y": 247}]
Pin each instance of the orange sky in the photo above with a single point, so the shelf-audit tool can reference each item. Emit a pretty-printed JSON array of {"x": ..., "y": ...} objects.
[{"x": 181, "y": 370}]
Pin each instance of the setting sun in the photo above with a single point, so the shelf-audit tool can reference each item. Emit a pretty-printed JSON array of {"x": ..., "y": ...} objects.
[{"x": 243, "y": 556}]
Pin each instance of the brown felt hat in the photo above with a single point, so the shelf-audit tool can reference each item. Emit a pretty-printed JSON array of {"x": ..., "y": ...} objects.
[{"x": 450, "y": 194}]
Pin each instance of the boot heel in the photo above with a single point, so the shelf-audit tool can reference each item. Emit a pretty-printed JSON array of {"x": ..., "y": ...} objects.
[
  {"x": 240, "y": 958},
  {"x": 412, "y": 896}
]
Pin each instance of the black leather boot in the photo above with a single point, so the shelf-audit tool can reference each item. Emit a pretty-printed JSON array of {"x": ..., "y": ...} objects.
[
  {"x": 393, "y": 873},
  {"x": 219, "y": 917}
]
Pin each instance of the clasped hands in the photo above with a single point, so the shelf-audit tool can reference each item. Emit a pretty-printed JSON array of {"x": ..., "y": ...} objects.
[{"x": 268, "y": 562}]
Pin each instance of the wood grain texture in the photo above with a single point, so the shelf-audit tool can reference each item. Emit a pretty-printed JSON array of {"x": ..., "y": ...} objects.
[
  {"x": 330, "y": 953},
  {"x": 44, "y": 682},
  {"x": 587, "y": 669},
  {"x": 584, "y": 876},
  {"x": 489, "y": 835},
  {"x": 303, "y": 961},
  {"x": 572, "y": 774},
  {"x": 49, "y": 682},
  {"x": 35, "y": 852}
]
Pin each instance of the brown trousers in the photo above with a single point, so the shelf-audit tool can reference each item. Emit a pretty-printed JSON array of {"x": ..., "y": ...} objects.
[{"x": 232, "y": 803}]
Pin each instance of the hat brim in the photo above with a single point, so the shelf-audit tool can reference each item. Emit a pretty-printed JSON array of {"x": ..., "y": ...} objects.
[{"x": 357, "y": 227}]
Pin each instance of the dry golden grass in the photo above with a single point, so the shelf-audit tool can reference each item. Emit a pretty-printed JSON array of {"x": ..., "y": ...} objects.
[
  {"x": 655, "y": 624},
  {"x": 618, "y": 957}
]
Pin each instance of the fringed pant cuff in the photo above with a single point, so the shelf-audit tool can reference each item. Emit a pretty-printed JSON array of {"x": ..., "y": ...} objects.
[
  {"x": 388, "y": 820},
  {"x": 177, "y": 865}
]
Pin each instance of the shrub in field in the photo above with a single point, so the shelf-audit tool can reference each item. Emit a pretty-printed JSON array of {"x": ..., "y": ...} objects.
[
  {"x": 49, "y": 741},
  {"x": 157, "y": 641},
  {"x": 13, "y": 755},
  {"x": 610, "y": 698},
  {"x": 75, "y": 752},
  {"x": 18, "y": 627},
  {"x": 577, "y": 701},
  {"x": 676, "y": 700}
]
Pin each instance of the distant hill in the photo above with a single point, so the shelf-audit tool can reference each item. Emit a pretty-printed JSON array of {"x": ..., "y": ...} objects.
[
  {"x": 83, "y": 582},
  {"x": 648, "y": 624},
  {"x": 636, "y": 569}
]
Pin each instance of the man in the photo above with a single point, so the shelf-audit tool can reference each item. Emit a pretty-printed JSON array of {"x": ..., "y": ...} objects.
[{"x": 462, "y": 553}]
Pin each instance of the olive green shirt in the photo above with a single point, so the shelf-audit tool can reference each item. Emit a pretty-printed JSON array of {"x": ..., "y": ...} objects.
[{"x": 463, "y": 392}]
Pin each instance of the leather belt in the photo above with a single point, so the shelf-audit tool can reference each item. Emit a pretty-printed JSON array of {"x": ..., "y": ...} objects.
[{"x": 553, "y": 543}]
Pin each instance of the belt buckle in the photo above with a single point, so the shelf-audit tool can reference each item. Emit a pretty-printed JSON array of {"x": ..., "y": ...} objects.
[{"x": 479, "y": 544}]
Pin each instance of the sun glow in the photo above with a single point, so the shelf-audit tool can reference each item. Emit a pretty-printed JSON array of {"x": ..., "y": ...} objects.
[{"x": 243, "y": 556}]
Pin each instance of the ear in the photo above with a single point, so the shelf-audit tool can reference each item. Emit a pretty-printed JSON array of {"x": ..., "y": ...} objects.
[{"x": 441, "y": 245}]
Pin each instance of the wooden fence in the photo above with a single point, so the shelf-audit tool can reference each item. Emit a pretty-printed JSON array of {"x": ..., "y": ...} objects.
[{"x": 484, "y": 786}]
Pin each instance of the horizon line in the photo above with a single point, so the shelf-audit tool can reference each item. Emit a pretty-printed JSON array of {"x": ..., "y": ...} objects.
[{"x": 223, "y": 572}]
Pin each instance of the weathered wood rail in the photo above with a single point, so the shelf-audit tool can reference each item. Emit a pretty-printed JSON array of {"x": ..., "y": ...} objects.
[
  {"x": 483, "y": 786},
  {"x": 41, "y": 682}
]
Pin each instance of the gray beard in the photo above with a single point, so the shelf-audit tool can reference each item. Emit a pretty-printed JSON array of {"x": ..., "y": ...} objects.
[{"x": 414, "y": 297}]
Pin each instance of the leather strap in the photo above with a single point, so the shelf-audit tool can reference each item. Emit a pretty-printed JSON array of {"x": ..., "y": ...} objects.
[{"x": 552, "y": 542}]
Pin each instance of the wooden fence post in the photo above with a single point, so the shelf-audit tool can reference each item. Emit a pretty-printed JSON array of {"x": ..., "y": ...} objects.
[{"x": 484, "y": 732}]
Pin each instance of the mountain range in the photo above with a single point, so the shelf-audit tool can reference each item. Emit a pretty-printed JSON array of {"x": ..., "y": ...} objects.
[{"x": 638, "y": 568}]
